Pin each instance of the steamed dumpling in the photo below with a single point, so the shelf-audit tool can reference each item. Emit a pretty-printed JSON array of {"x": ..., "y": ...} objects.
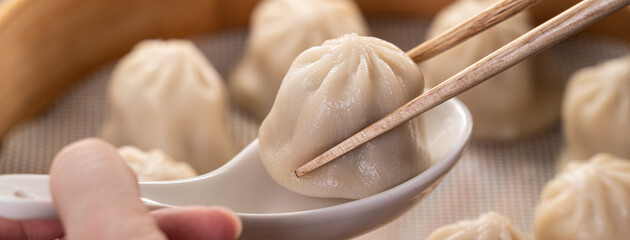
[
  {"x": 166, "y": 95},
  {"x": 331, "y": 92},
  {"x": 587, "y": 201},
  {"x": 155, "y": 165},
  {"x": 512, "y": 104},
  {"x": 490, "y": 226},
  {"x": 280, "y": 30},
  {"x": 596, "y": 111}
]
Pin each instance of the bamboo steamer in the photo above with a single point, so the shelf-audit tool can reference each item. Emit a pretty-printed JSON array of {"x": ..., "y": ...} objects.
[{"x": 47, "y": 46}]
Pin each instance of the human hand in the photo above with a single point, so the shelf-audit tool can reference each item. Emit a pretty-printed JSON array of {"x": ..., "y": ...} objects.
[{"x": 97, "y": 197}]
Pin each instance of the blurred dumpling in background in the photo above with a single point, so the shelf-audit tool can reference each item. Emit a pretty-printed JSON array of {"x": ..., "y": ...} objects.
[
  {"x": 490, "y": 226},
  {"x": 331, "y": 92},
  {"x": 155, "y": 165},
  {"x": 588, "y": 200},
  {"x": 167, "y": 95},
  {"x": 596, "y": 111},
  {"x": 512, "y": 104},
  {"x": 279, "y": 31}
]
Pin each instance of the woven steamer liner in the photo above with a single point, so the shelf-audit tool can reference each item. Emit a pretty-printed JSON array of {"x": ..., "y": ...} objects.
[{"x": 505, "y": 177}]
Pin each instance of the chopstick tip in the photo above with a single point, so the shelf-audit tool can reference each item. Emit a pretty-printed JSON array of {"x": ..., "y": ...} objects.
[
  {"x": 310, "y": 166},
  {"x": 299, "y": 173}
]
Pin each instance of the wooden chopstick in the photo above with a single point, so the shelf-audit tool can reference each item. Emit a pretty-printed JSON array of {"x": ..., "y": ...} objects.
[
  {"x": 494, "y": 14},
  {"x": 547, "y": 34}
]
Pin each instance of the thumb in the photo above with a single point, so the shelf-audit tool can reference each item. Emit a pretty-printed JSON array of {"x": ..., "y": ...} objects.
[{"x": 97, "y": 195}]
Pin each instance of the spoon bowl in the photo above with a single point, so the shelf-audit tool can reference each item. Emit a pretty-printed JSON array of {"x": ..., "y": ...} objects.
[{"x": 269, "y": 211}]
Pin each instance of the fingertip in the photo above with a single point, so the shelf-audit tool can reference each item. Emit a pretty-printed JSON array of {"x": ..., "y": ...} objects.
[
  {"x": 231, "y": 215},
  {"x": 88, "y": 159},
  {"x": 199, "y": 223},
  {"x": 225, "y": 218},
  {"x": 93, "y": 188},
  {"x": 86, "y": 142},
  {"x": 80, "y": 150}
]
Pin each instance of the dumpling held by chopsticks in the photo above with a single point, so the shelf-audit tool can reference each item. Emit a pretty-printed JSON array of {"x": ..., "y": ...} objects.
[{"x": 331, "y": 92}]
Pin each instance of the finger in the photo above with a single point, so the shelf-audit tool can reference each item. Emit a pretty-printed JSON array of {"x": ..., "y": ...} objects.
[
  {"x": 184, "y": 223},
  {"x": 96, "y": 194},
  {"x": 22, "y": 230}
]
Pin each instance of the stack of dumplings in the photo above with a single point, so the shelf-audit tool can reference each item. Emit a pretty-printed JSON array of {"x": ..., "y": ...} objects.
[
  {"x": 280, "y": 30},
  {"x": 331, "y": 92},
  {"x": 490, "y": 226},
  {"x": 512, "y": 104},
  {"x": 166, "y": 95},
  {"x": 596, "y": 111},
  {"x": 587, "y": 201}
]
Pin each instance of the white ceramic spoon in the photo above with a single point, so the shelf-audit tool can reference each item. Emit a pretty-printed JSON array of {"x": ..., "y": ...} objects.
[{"x": 269, "y": 211}]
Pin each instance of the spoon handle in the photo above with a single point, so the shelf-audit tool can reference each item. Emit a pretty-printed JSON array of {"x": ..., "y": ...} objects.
[
  {"x": 27, "y": 197},
  {"x": 547, "y": 34}
]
